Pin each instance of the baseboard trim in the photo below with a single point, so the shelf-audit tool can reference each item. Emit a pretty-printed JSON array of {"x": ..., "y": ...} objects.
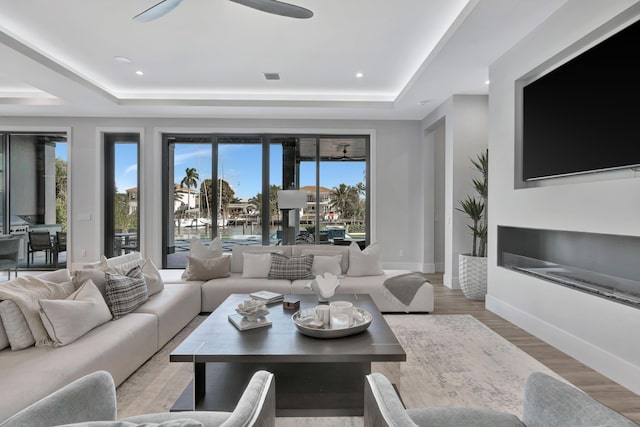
[{"x": 619, "y": 370}]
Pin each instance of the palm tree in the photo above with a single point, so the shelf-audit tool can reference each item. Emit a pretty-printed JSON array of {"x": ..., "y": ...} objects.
[
  {"x": 190, "y": 180},
  {"x": 343, "y": 199}
]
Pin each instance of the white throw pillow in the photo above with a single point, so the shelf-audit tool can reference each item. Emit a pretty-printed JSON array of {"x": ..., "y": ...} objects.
[
  {"x": 366, "y": 262},
  {"x": 68, "y": 319},
  {"x": 18, "y": 333},
  {"x": 123, "y": 259},
  {"x": 256, "y": 265},
  {"x": 326, "y": 264},
  {"x": 200, "y": 250},
  {"x": 4, "y": 339}
]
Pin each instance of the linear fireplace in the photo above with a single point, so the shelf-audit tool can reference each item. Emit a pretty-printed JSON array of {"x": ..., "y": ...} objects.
[{"x": 605, "y": 265}]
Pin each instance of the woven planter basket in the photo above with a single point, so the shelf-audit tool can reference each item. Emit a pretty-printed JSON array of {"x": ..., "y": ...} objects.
[{"x": 473, "y": 276}]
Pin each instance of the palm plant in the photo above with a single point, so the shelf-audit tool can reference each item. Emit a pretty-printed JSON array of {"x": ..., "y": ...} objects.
[
  {"x": 476, "y": 207},
  {"x": 190, "y": 180}
]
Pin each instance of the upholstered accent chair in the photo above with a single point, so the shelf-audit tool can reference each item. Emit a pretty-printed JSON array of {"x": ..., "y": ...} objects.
[
  {"x": 91, "y": 400},
  {"x": 9, "y": 253},
  {"x": 547, "y": 402}
]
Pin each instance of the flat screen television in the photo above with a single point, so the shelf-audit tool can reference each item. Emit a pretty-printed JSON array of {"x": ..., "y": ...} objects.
[{"x": 584, "y": 116}]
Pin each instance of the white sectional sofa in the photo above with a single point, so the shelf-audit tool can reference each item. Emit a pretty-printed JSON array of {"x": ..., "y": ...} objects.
[
  {"x": 217, "y": 290},
  {"x": 121, "y": 346}
]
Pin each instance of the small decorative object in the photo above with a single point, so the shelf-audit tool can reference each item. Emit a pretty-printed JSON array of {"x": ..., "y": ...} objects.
[
  {"x": 324, "y": 286},
  {"x": 291, "y": 304},
  {"x": 323, "y": 313},
  {"x": 341, "y": 314},
  {"x": 252, "y": 309}
]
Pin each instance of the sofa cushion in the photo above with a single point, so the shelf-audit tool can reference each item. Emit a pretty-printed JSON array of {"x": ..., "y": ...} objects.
[
  {"x": 4, "y": 340},
  {"x": 365, "y": 262},
  {"x": 326, "y": 264},
  {"x": 26, "y": 291},
  {"x": 181, "y": 422},
  {"x": 15, "y": 325},
  {"x": 67, "y": 320},
  {"x": 293, "y": 268},
  {"x": 96, "y": 276},
  {"x": 237, "y": 260},
  {"x": 207, "y": 268},
  {"x": 57, "y": 276},
  {"x": 125, "y": 293},
  {"x": 199, "y": 250},
  {"x": 174, "y": 307},
  {"x": 325, "y": 250},
  {"x": 129, "y": 259},
  {"x": 149, "y": 271},
  {"x": 256, "y": 265}
]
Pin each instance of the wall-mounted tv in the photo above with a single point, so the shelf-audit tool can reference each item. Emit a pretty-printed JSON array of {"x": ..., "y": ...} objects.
[{"x": 584, "y": 115}]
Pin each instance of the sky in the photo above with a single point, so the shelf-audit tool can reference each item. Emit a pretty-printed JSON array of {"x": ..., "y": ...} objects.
[{"x": 239, "y": 164}]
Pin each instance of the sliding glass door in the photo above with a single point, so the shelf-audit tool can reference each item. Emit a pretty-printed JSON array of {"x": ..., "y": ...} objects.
[
  {"x": 227, "y": 186},
  {"x": 33, "y": 191}
]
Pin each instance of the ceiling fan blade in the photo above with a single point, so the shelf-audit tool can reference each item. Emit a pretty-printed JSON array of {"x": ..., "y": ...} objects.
[
  {"x": 278, "y": 8},
  {"x": 157, "y": 10}
]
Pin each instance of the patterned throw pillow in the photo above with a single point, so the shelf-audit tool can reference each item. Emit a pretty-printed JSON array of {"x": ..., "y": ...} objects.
[
  {"x": 125, "y": 293},
  {"x": 293, "y": 268}
]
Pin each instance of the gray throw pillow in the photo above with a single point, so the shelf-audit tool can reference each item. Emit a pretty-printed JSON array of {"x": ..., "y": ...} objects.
[
  {"x": 125, "y": 293},
  {"x": 293, "y": 268}
]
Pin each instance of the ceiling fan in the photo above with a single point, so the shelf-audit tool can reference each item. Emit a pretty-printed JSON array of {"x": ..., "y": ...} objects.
[
  {"x": 344, "y": 154},
  {"x": 270, "y": 6}
]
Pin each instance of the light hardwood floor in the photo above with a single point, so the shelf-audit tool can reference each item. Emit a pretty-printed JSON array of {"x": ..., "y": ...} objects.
[{"x": 448, "y": 301}]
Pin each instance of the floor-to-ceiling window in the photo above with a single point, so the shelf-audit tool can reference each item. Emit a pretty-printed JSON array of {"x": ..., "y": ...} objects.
[
  {"x": 122, "y": 194},
  {"x": 248, "y": 172},
  {"x": 33, "y": 185}
]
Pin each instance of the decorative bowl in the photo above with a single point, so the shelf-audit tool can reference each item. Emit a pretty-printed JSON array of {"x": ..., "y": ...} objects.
[{"x": 361, "y": 321}]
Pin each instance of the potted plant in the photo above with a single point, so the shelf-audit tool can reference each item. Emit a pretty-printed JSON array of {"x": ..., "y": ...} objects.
[{"x": 473, "y": 267}]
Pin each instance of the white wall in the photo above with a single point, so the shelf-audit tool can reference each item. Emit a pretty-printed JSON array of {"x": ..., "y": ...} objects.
[
  {"x": 464, "y": 119},
  {"x": 596, "y": 331},
  {"x": 398, "y": 171}
]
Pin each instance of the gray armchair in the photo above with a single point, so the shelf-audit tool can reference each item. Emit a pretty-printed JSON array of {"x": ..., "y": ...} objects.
[
  {"x": 91, "y": 400},
  {"x": 547, "y": 402},
  {"x": 9, "y": 252}
]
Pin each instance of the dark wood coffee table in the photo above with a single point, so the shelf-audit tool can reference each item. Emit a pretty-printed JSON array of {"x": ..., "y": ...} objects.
[{"x": 314, "y": 377}]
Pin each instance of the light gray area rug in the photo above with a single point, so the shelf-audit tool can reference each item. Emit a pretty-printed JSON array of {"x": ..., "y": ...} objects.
[{"x": 452, "y": 360}]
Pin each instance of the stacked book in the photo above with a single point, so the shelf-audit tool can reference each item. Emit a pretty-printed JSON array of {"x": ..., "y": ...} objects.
[{"x": 267, "y": 296}]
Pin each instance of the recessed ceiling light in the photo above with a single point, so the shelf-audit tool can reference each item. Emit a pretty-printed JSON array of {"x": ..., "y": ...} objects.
[
  {"x": 139, "y": 73},
  {"x": 359, "y": 75},
  {"x": 487, "y": 82},
  {"x": 122, "y": 59}
]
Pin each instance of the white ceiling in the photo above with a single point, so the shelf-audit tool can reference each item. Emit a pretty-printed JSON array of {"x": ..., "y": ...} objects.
[{"x": 207, "y": 57}]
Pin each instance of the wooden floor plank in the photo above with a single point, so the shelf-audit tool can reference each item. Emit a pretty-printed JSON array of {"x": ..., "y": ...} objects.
[{"x": 448, "y": 301}]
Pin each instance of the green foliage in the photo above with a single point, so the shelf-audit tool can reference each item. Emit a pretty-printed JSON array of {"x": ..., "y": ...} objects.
[
  {"x": 122, "y": 219},
  {"x": 256, "y": 201},
  {"x": 61, "y": 193},
  {"x": 476, "y": 207},
  {"x": 226, "y": 195},
  {"x": 346, "y": 200}
]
